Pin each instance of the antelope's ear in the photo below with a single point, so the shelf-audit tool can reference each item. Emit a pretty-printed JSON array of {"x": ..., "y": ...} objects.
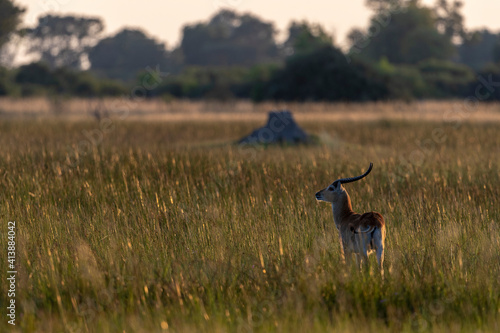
[{"x": 338, "y": 186}]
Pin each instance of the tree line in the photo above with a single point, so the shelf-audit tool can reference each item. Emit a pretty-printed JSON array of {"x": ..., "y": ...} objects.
[{"x": 409, "y": 51}]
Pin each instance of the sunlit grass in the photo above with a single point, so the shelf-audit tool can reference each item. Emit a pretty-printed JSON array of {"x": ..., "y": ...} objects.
[{"x": 169, "y": 226}]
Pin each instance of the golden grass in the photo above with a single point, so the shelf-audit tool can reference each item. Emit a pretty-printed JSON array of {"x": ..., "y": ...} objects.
[
  {"x": 168, "y": 226},
  {"x": 180, "y": 110}
]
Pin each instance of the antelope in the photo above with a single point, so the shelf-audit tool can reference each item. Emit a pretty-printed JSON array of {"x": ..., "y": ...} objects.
[{"x": 360, "y": 234}]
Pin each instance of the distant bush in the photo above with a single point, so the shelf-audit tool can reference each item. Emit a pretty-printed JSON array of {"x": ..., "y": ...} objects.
[
  {"x": 6, "y": 85},
  {"x": 323, "y": 74},
  {"x": 112, "y": 88},
  {"x": 36, "y": 74},
  {"x": 431, "y": 78},
  {"x": 257, "y": 81},
  {"x": 445, "y": 79},
  {"x": 39, "y": 79},
  {"x": 203, "y": 82},
  {"x": 487, "y": 85},
  {"x": 402, "y": 82},
  {"x": 320, "y": 75}
]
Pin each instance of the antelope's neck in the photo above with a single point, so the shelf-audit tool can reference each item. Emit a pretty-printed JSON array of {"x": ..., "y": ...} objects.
[{"x": 342, "y": 209}]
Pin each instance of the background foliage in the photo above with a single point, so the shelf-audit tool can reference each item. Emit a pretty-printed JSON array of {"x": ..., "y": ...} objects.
[{"x": 409, "y": 51}]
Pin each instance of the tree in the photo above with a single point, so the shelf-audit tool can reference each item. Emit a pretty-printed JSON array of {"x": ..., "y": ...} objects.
[
  {"x": 406, "y": 35},
  {"x": 380, "y": 6},
  {"x": 496, "y": 51},
  {"x": 6, "y": 86},
  {"x": 10, "y": 17},
  {"x": 229, "y": 39},
  {"x": 449, "y": 19},
  {"x": 39, "y": 79},
  {"x": 305, "y": 37},
  {"x": 478, "y": 49},
  {"x": 323, "y": 74},
  {"x": 35, "y": 73},
  {"x": 65, "y": 40},
  {"x": 125, "y": 54},
  {"x": 446, "y": 79}
]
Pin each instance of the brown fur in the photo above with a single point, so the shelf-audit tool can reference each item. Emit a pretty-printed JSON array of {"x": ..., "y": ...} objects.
[
  {"x": 353, "y": 227},
  {"x": 346, "y": 215},
  {"x": 354, "y": 220}
]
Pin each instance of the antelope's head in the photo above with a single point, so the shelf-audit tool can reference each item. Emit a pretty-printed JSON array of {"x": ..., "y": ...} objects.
[{"x": 335, "y": 191}]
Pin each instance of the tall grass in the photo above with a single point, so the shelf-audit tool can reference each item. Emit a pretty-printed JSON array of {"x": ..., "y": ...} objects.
[
  {"x": 168, "y": 226},
  {"x": 184, "y": 110}
]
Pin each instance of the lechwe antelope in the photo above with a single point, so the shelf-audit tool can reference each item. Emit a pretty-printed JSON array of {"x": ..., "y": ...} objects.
[{"x": 360, "y": 234}]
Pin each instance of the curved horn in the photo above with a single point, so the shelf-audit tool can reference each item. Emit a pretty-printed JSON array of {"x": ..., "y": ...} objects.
[{"x": 353, "y": 179}]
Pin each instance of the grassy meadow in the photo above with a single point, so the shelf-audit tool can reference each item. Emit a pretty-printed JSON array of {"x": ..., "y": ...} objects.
[{"x": 157, "y": 225}]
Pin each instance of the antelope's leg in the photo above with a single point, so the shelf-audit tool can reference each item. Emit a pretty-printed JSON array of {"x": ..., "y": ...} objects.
[
  {"x": 379, "y": 245},
  {"x": 363, "y": 239}
]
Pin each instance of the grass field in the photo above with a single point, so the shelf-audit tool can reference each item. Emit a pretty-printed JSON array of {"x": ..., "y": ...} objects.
[{"x": 150, "y": 226}]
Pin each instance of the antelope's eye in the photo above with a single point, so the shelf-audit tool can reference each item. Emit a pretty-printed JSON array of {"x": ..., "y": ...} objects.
[{"x": 330, "y": 188}]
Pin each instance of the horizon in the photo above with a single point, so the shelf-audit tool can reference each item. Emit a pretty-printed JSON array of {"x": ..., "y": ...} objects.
[{"x": 477, "y": 15}]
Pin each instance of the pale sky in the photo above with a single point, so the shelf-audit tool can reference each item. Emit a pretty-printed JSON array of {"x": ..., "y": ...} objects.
[{"x": 164, "y": 19}]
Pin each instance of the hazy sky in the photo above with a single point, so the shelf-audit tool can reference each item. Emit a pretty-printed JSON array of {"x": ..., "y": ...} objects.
[{"x": 164, "y": 19}]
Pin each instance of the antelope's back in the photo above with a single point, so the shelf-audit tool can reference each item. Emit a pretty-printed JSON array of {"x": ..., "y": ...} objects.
[{"x": 371, "y": 219}]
